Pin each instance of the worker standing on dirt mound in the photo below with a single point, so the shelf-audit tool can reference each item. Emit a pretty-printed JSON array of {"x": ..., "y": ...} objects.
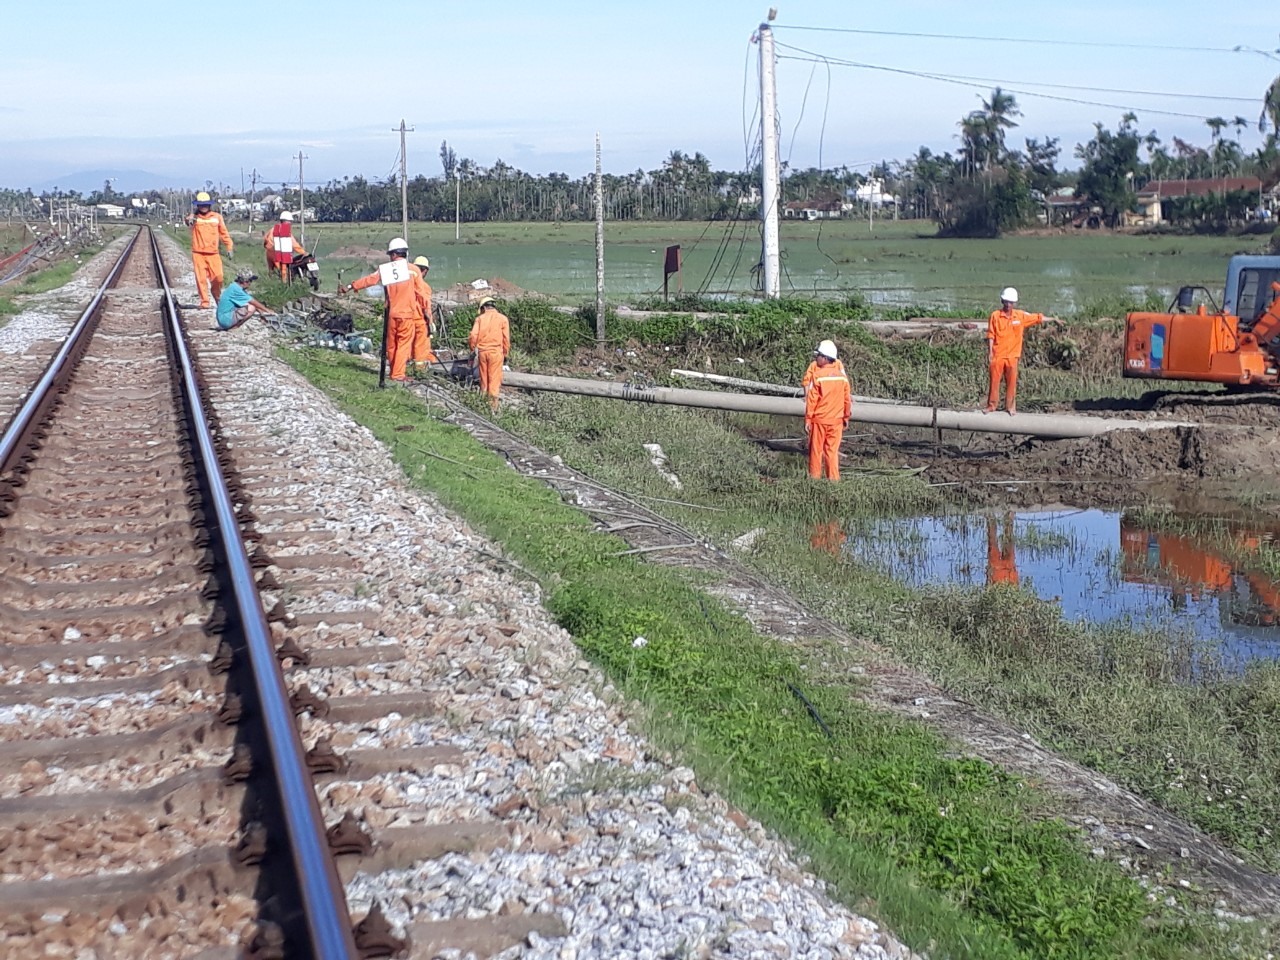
[
  {"x": 1004, "y": 346},
  {"x": 281, "y": 245},
  {"x": 828, "y": 402},
  {"x": 405, "y": 292},
  {"x": 491, "y": 340},
  {"x": 422, "y": 353},
  {"x": 208, "y": 229}
]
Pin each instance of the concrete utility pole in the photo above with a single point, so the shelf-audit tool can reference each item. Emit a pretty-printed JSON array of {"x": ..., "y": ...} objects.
[
  {"x": 253, "y": 190},
  {"x": 599, "y": 248},
  {"x": 302, "y": 200},
  {"x": 769, "y": 189},
  {"x": 457, "y": 207},
  {"x": 404, "y": 180}
]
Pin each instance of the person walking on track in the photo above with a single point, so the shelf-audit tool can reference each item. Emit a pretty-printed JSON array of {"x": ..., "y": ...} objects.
[
  {"x": 208, "y": 229},
  {"x": 405, "y": 294},
  {"x": 491, "y": 340},
  {"x": 1004, "y": 347},
  {"x": 828, "y": 403}
]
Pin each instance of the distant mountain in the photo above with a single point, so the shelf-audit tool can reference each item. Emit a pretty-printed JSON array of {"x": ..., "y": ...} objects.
[{"x": 125, "y": 181}]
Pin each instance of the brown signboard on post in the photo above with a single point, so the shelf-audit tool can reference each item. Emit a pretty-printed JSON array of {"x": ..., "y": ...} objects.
[{"x": 671, "y": 264}]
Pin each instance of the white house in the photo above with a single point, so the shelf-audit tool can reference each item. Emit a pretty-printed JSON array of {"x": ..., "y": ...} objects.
[
  {"x": 872, "y": 192},
  {"x": 111, "y": 210}
]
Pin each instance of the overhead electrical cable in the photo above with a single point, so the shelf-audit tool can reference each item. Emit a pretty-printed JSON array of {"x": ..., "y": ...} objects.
[
  {"x": 1011, "y": 87},
  {"x": 1044, "y": 41}
]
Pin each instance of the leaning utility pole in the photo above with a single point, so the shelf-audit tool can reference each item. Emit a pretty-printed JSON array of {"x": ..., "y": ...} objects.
[
  {"x": 404, "y": 180},
  {"x": 599, "y": 251},
  {"x": 302, "y": 200},
  {"x": 770, "y": 175}
]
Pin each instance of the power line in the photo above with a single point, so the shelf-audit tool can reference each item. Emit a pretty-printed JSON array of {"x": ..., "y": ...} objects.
[
  {"x": 810, "y": 56},
  {"x": 1112, "y": 44}
]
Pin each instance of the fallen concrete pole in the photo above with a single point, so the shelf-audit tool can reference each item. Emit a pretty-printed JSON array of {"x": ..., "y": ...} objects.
[
  {"x": 1052, "y": 426},
  {"x": 762, "y": 387}
]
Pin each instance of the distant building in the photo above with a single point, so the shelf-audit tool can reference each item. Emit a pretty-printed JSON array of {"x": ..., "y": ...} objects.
[
  {"x": 1151, "y": 197},
  {"x": 111, "y": 210},
  {"x": 813, "y": 210},
  {"x": 872, "y": 192}
]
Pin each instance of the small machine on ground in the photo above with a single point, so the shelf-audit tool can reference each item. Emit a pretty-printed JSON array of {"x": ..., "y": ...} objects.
[{"x": 1237, "y": 345}]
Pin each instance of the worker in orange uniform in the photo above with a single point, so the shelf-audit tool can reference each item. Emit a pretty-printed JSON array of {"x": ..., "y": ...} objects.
[
  {"x": 405, "y": 293},
  {"x": 422, "y": 353},
  {"x": 280, "y": 245},
  {"x": 1002, "y": 565},
  {"x": 208, "y": 229},
  {"x": 491, "y": 340},
  {"x": 828, "y": 402},
  {"x": 1004, "y": 346}
]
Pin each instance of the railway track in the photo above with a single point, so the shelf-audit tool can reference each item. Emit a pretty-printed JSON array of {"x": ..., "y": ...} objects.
[{"x": 199, "y": 738}]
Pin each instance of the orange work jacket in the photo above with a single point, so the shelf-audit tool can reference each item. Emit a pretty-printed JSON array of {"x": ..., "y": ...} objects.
[
  {"x": 1004, "y": 330},
  {"x": 281, "y": 244},
  {"x": 828, "y": 398},
  {"x": 490, "y": 332},
  {"x": 206, "y": 231},
  {"x": 402, "y": 286}
]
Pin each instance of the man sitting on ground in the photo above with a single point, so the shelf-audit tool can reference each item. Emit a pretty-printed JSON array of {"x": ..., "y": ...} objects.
[{"x": 235, "y": 306}]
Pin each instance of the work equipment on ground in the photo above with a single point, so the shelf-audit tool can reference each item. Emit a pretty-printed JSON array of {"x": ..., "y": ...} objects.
[{"x": 1237, "y": 345}]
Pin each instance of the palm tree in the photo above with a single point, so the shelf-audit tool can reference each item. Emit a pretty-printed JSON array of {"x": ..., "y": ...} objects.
[
  {"x": 998, "y": 113},
  {"x": 1216, "y": 125},
  {"x": 1271, "y": 109}
]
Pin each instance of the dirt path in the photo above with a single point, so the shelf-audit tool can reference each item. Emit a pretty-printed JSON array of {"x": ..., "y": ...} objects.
[{"x": 1145, "y": 839}]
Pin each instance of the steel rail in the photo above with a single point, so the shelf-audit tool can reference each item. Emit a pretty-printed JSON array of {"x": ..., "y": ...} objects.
[
  {"x": 60, "y": 368},
  {"x": 326, "y": 916}
]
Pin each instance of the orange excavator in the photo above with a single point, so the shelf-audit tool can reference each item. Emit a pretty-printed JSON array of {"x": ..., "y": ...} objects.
[{"x": 1237, "y": 345}]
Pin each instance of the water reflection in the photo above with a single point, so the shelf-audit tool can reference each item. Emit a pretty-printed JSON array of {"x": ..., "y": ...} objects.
[{"x": 1098, "y": 566}]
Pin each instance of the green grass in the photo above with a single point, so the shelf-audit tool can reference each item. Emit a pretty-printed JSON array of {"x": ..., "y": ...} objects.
[
  {"x": 1117, "y": 700},
  {"x": 899, "y": 264},
  {"x": 954, "y": 856}
]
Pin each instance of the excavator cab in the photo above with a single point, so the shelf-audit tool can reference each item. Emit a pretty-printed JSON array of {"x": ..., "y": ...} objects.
[{"x": 1237, "y": 345}]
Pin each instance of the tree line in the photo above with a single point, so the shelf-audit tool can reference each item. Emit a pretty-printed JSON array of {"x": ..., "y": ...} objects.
[{"x": 985, "y": 187}]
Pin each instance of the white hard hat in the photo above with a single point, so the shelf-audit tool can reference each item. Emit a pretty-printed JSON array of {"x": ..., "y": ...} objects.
[
  {"x": 1009, "y": 294},
  {"x": 286, "y": 216},
  {"x": 399, "y": 243},
  {"x": 826, "y": 349}
]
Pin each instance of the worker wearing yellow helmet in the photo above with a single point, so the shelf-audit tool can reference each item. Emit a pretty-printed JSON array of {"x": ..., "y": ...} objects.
[
  {"x": 208, "y": 229},
  {"x": 422, "y": 352}
]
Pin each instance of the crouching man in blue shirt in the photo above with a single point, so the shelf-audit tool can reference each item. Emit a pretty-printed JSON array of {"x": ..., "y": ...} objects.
[{"x": 235, "y": 306}]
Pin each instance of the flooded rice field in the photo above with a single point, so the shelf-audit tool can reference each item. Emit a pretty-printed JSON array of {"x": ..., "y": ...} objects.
[{"x": 1101, "y": 567}]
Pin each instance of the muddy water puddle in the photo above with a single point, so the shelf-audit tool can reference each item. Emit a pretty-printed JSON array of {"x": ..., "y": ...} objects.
[{"x": 1099, "y": 566}]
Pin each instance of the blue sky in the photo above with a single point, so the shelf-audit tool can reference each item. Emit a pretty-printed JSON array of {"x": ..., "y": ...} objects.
[{"x": 197, "y": 92}]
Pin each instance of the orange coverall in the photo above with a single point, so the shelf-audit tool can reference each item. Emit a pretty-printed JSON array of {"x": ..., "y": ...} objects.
[
  {"x": 422, "y": 352},
  {"x": 491, "y": 340},
  {"x": 1002, "y": 565},
  {"x": 405, "y": 292},
  {"x": 828, "y": 402},
  {"x": 206, "y": 231},
  {"x": 1004, "y": 334},
  {"x": 280, "y": 266}
]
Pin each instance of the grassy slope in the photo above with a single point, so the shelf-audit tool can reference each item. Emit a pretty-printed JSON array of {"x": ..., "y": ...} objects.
[{"x": 954, "y": 856}]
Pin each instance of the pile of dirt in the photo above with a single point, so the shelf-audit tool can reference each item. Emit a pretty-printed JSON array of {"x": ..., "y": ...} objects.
[
  {"x": 498, "y": 287},
  {"x": 354, "y": 251}
]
